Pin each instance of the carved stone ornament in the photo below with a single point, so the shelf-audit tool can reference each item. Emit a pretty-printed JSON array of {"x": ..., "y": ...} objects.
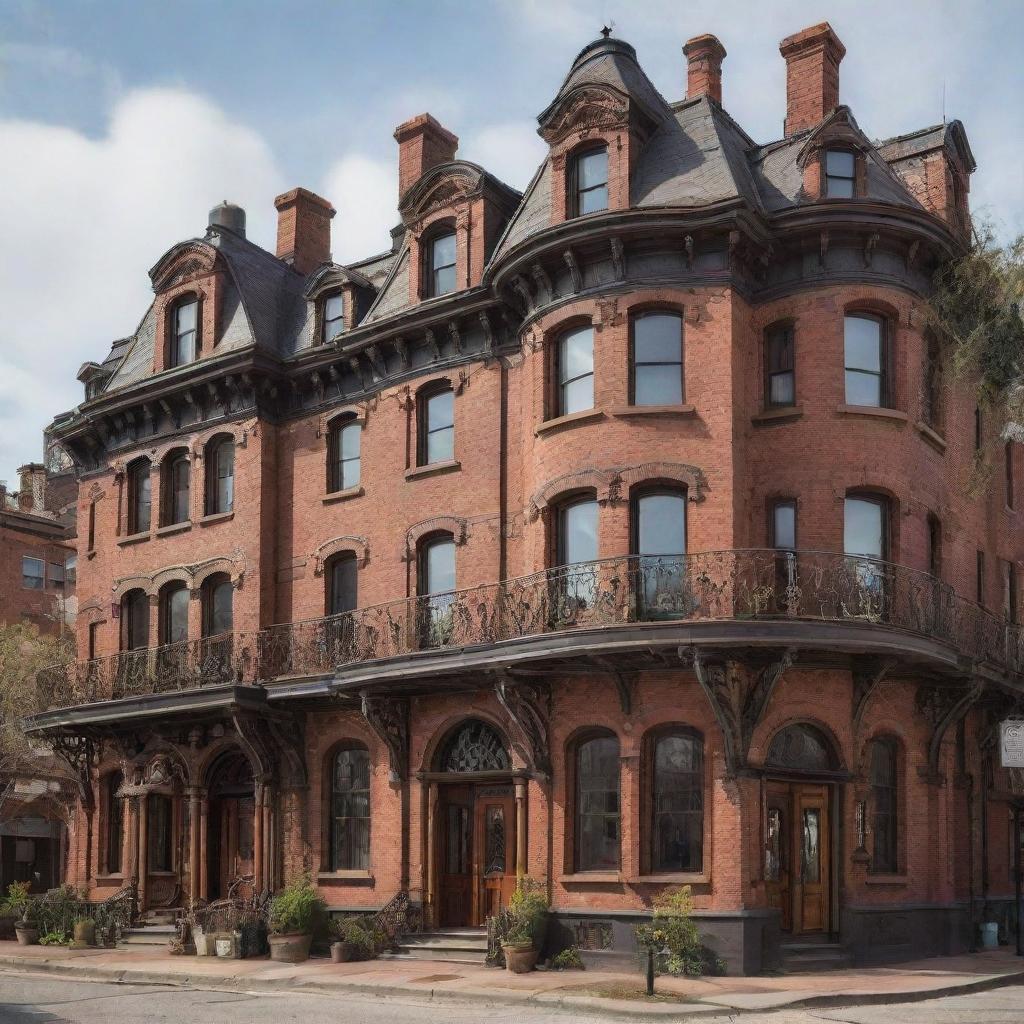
[
  {"x": 388, "y": 717},
  {"x": 585, "y": 109},
  {"x": 527, "y": 706}
]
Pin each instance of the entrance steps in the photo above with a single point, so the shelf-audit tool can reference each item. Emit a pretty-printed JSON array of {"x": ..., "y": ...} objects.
[
  {"x": 452, "y": 945},
  {"x": 154, "y": 928},
  {"x": 813, "y": 957}
]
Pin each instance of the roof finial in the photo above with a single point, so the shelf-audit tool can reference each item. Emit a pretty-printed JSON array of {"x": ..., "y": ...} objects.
[{"x": 606, "y": 31}]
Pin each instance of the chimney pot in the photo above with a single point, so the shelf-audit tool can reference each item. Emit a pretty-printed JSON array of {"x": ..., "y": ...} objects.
[
  {"x": 812, "y": 75},
  {"x": 422, "y": 143},
  {"x": 704, "y": 55},
  {"x": 303, "y": 229}
]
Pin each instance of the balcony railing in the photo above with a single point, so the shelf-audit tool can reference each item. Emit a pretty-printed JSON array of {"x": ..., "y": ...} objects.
[{"x": 752, "y": 584}]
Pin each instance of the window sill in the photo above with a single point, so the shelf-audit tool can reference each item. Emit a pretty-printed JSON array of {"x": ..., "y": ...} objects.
[
  {"x": 345, "y": 495},
  {"x": 162, "y": 874},
  {"x": 217, "y": 517},
  {"x": 887, "y": 880},
  {"x": 133, "y": 538},
  {"x": 873, "y": 410},
  {"x": 346, "y": 877},
  {"x": 687, "y": 411},
  {"x": 932, "y": 436},
  {"x": 673, "y": 878},
  {"x": 104, "y": 879},
  {"x": 164, "y": 531},
  {"x": 592, "y": 878},
  {"x": 570, "y": 420},
  {"x": 433, "y": 469},
  {"x": 775, "y": 415}
]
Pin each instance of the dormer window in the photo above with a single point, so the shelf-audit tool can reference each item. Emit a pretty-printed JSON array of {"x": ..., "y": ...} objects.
[
  {"x": 440, "y": 276},
  {"x": 184, "y": 332},
  {"x": 840, "y": 174},
  {"x": 589, "y": 182},
  {"x": 334, "y": 317}
]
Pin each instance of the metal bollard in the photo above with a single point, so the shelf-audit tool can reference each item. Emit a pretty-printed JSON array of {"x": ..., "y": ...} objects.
[{"x": 650, "y": 971}]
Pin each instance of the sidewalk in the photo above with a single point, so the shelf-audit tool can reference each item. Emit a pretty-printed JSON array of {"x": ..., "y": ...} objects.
[{"x": 595, "y": 991}]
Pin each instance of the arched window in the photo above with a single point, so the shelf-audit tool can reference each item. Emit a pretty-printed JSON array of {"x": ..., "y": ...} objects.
[
  {"x": 139, "y": 496},
  {"x": 341, "y": 575},
  {"x": 176, "y": 488},
  {"x": 218, "y": 601},
  {"x": 160, "y": 812},
  {"x": 115, "y": 823},
  {"x": 576, "y": 549},
  {"x": 802, "y": 748},
  {"x": 184, "y": 340},
  {"x": 866, "y": 359},
  {"x": 840, "y": 173},
  {"x": 436, "y": 583},
  {"x": 343, "y": 445},
  {"x": 435, "y": 440},
  {"x": 659, "y": 540},
  {"x": 866, "y": 526},
  {"x": 588, "y": 181},
  {"x": 779, "y": 367},
  {"x": 174, "y": 613},
  {"x": 597, "y": 842},
  {"x": 657, "y": 370},
  {"x": 350, "y": 809},
  {"x": 439, "y": 269},
  {"x": 135, "y": 621},
  {"x": 676, "y": 774},
  {"x": 220, "y": 475},
  {"x": 474, "y": 747},
  {"x": 575, "y": 371},
  {"x": 884, "y": 805},
  {"x": 333, "y": 314}
]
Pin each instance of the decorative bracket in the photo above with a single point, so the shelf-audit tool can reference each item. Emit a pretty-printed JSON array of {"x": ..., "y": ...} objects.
[
  {"x": 867, "y": 673},
  {"x": 943, "y": 707},
  {"x": 625, "y": 683},
  {"x": 388, "y": 717},
  {"x": 575, "y": 274},
  {"x": 719, "y": 685},
  {"x": 528, "y": 707},
  {"x": 759, "y": 695},
  {"x": 618, "y": 259}
]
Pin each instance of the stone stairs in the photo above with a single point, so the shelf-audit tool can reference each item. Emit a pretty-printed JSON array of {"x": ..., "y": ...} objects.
[
  {"x": 153, "y": 929},
  {"x": 813, "y": 957},
  {"x": 452, "y": 945}
]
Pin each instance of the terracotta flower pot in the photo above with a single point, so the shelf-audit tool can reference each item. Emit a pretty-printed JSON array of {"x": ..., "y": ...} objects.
[
  {"x": 342, "y": 952},
  {"x": 520, "y": 957},
  {"x": 290, "y": 949},
  {"x": 27, "y": 936},
  {"x": 84, "y": 934}
]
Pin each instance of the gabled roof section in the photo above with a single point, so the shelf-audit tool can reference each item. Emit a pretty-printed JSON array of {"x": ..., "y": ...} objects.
[
  {"x": 454, "y": 182},
  {"x": 394, "y": 295},
  {"x": 951, "y": 136}
]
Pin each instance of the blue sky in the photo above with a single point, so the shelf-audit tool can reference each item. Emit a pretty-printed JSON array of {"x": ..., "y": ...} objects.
[{"x": 122, "y": 123}]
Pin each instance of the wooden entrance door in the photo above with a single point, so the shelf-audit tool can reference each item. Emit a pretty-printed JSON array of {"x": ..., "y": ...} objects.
[
  {"x": 495, "y": 843},
  {"x": 456, "y": 862},
  {"x": 797, "y": 855}
]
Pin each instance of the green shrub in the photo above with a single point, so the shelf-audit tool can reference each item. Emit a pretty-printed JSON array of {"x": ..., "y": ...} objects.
[
  {"x": 297, "y": 908},
  {"x": 568, "y": 960},
  {"x": 674, "y": 938},
  {"x": 16, "y": 901},
  {"x": 57, "y": 938},
  {"x": 359, "y": 933},
  {"x": 528, "y": 913}
]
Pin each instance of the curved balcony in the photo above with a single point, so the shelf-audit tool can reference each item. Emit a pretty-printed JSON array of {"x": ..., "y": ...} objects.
[{"x": 759, "y": 597}]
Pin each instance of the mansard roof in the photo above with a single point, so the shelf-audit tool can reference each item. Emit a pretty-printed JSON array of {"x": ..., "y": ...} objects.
[{"x": 950, "y": 136}]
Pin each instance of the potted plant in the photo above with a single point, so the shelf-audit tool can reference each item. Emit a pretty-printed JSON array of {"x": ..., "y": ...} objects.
[
  {"x": 527, "y": 923},
  {"x": 18, "y": 901},
  {"x": 84, "y": 933},
  {"x": 520, "y": 956},
  {"x": 11, "y": 908},
  {"x": 294, "y": 914},
  {"x": 355, "y": 941}
]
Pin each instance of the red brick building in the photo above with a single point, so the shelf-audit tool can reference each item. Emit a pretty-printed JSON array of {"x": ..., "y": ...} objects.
[{"x": 620, "y": 533}]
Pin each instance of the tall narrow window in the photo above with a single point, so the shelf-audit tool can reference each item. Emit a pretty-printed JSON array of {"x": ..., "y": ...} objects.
[
  {"x": 597, "y": 834},
  {"x": 343, "y": 445},
  {"x": 884, "y": 806},
  {"x": 57, "y": 575},
  {"x": 864, "y": 527},
  {"x": 436, "y": 584},
  {"x": 840, "y": 173},
  {"x": 589, "y": 182},
  {"x": 334, "y": 317},
  {"x": 350, "y": 810},
  {"x": 659, "y": 539},
  {"x": 342, "y": 584},
  {"x": 931, "y": 397},
  {"x": 218, "y": 605},
  {"x": 174, "y": 613},
  {"x": 979, "y": 577},
  {"x": 979, "y": 437},
  {"x": 677, "y": 803},
  {"x": 161, "y": 832},
  {"x": 92, "y": 526},
  {"x": 139, "y": 496},
  {"x": 115, "y": 823},
  {"x": 1010, "y": 592},
  {"x": 94, "y": 640},
  {"x": 865, "y": 360},
  {"x": 934, "y": 546},
  {"x": 184, "y": 332},
  {"x": 436, "y": 434},
  {"x": 657, "y": 359},
  {"x": 576, "y": 550},
  {"x": 177, "y": 489},
  {"x": 779, "y": 367},
  {"x": 1008, "y": 466},
  {"x": 220, "y": 476},
  {"x": 782, "y": 524},
  {"x": 441, "y": 265},
  {"x": 33, "y": 573},
  {"x": 575, "y": 371},
  {"x": 135, "y": 620}
]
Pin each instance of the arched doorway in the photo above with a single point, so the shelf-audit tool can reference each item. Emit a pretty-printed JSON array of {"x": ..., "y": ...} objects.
[
  {"x": 801, "y": 771},
  {"x": 230, "y": 822},
  {"x": 474, "y": 825}
]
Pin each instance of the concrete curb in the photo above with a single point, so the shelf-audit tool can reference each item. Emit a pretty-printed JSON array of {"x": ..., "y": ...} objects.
[{"x": 705, "y": 1007}]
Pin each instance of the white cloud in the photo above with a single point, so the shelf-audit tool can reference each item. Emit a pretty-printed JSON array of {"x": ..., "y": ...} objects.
[
  {"x": 83, "y": 221},
  {"x": 364, "y": 191},
  {"x": 512, "y": 151}
]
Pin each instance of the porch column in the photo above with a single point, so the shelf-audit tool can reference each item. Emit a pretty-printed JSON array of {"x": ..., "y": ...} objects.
[
  {"x": 202, "y": 867},
  {"x": 428, "y": 889},
  {"x": 128, "y": 835},
  {"x": 521, "y": 826},
  {"x": 195, "y": 815},
  {"x": 143, "y": 863},
  {"x": 269, "y": 833},
  {"x": 257, "y": 839}
]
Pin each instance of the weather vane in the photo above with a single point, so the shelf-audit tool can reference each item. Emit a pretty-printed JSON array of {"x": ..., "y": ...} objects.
[{"x": 606, "y": 31}]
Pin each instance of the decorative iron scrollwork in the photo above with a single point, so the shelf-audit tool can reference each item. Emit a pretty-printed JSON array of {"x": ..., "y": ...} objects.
[{"x": 388, "y": 717}]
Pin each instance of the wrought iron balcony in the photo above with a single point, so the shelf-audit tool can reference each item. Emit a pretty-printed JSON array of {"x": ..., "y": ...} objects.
[{"x": 755, "y": 585}]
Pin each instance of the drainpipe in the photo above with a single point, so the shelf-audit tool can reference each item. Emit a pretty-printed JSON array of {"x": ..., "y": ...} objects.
[{"x": 972, "y": 944}]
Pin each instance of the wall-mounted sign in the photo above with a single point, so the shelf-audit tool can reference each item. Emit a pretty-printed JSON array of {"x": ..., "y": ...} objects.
[{"x": 1011, "y": 743}]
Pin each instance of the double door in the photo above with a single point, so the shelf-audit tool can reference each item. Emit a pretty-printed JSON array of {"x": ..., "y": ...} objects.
[
  {"x": 798, "y": 855},
  {"x": 476, "y": 852}
]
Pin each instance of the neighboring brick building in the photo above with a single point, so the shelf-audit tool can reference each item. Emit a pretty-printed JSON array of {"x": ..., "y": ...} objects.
[{"x": 619, "y": 533}]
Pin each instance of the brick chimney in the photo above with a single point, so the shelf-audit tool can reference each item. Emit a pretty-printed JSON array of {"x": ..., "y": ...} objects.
[
  {"x": 704, "y": 55},
  {"x": 303, "y": 229},
  {"x": 812, "y": 75},
  {"x": 422, "y": 144}
]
